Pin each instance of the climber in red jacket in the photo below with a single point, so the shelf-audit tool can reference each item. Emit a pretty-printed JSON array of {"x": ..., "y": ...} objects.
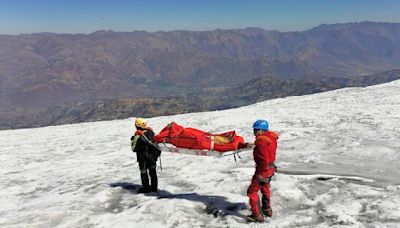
[{"x": 264, "y": 157}]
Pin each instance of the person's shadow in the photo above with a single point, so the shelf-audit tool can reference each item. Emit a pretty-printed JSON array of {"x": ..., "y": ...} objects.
[
  {"x": 127, "y": 186},
  {"x": 215, "y": 205}
]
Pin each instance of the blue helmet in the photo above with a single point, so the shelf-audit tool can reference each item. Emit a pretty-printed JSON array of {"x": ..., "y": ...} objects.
[{"x": 261, "y": 125}]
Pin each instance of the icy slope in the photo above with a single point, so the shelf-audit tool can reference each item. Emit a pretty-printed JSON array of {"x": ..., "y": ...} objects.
[{"x": 85, "y": 175}]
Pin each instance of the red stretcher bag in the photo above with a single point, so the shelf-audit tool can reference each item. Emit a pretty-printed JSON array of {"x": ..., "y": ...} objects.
[{"x": 192, "y": 138}]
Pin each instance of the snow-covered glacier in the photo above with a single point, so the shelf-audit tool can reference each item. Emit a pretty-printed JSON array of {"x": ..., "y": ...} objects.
[{"x": 338, "y": 159}]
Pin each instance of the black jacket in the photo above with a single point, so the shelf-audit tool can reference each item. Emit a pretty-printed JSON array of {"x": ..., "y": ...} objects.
[{"x": 144, "y": 147}]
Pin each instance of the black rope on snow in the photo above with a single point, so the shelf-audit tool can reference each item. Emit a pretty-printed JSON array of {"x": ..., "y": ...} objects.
[{"x": 238, "y": 155}]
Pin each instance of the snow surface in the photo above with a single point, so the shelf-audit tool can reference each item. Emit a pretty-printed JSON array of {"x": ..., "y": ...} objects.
[{"x": 338, "y": 158}]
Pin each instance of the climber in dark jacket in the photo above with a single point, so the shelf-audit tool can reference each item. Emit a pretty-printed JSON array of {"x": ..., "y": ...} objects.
[{"x": 147, "y": 154}]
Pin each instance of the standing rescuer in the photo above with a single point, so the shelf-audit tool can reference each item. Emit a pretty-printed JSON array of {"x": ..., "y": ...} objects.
[
  {"x": 147, "y": 154},
  {"x": 264, "y": 157}
]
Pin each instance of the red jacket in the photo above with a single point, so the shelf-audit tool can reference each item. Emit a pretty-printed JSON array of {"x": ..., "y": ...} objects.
[{"x": 264, "y": 153}]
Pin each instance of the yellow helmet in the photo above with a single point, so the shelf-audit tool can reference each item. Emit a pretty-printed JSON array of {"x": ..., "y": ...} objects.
[{"x": 141, "y": 123}]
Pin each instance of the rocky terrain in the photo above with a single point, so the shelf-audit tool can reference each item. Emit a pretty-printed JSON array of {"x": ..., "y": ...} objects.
[{"x": 196, "y": 100}]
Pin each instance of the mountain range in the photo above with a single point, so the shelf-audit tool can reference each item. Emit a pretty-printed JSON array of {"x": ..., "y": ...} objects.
[{"x": 48, "y": 74}]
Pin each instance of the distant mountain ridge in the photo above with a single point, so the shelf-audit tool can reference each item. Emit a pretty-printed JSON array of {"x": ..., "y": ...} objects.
[
  {"x": 44, "y": 70},
  {"x": 256, "y": 90}
]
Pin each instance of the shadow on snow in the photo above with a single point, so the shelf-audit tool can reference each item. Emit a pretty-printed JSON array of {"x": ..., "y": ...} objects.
[{"x": 215, "y": 205}]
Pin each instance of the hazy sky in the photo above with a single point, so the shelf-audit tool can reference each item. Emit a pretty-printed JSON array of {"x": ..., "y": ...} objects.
[{"x": 86, "y": 16}]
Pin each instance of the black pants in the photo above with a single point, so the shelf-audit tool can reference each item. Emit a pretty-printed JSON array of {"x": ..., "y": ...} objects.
[{"x": 146, "y": 168}]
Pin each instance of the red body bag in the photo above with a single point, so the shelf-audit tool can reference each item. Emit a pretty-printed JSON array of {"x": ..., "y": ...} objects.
[{"x": 192, "y": 138}]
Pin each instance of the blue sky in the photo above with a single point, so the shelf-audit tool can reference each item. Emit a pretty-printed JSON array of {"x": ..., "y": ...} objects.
[{"x": 86, "y": 16}]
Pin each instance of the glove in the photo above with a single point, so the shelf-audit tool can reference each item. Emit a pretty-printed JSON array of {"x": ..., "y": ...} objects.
[{"x": 243, "y": 145}]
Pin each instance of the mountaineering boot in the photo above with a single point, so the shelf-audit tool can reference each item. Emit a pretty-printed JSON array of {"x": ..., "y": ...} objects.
[
  {"x": 267, "y": 211},
  {"x": 255, "y": 218}
]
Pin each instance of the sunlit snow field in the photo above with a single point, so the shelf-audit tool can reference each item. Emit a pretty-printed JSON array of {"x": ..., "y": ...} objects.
[{"x": 338, "y": 159}]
